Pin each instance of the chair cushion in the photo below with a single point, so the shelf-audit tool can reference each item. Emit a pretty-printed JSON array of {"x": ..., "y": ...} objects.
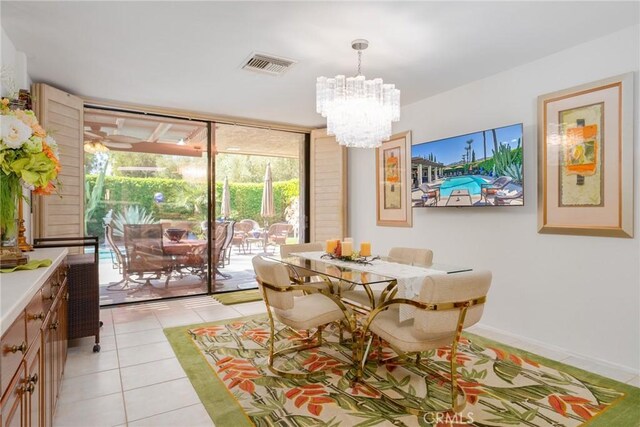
[
  {"x": 387, "y": 326},
  {"x": 310, "y": 311}
]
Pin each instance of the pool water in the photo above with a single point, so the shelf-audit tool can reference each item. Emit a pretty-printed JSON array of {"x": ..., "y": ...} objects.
[{"x": 468, "y": 182}]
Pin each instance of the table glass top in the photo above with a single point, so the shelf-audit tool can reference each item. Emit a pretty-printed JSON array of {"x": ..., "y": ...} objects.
[{"x": 356, "y": 273}]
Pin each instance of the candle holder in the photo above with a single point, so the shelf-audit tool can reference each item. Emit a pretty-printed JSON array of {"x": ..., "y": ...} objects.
[{"x": 353, "y": 258}]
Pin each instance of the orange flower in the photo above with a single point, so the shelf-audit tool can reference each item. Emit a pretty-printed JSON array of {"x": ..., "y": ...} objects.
[
  {"x": 320, "y": 363},
  {"x": 45, "y": 191},
  {"x": 240, "y": 372},
  {"x": 461, "y": 358},
  {"x": 210, "y": 331},
  {"x": 258, "y": 335},
  {"x": 359, "y": 388},
  {"x": 38, "y": 131},
  {"x": 313, "y": 394}
]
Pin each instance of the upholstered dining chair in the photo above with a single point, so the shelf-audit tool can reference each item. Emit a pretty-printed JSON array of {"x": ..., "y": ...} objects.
[
  {"x": 415, "y": 256},
  {"x": 447, "y": 304},
  {"x": 301, "y": 275},
  {"x": 315, "y": 310}
]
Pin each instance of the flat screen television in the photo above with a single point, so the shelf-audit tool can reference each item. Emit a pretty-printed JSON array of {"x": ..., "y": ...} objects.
[{"x": 483, "y": 168}]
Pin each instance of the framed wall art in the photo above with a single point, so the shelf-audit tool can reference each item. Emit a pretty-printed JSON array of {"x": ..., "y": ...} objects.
[
  {"x": 393, "y": 187},
  {"x": 585, "y": 162}
]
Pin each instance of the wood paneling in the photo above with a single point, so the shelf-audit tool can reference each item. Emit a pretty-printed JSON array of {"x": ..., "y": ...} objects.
[
  {"x": 328, "y": 188},
  {"x": 61, "y": 114}
]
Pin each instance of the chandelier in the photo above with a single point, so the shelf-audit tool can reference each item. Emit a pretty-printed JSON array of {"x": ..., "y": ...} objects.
[{"x": 359, "y": 112}]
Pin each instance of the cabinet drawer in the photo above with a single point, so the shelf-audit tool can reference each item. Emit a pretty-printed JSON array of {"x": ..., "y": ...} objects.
[
  {"x": 14, "y": 345},
  {"x": 34, "y": 315}
]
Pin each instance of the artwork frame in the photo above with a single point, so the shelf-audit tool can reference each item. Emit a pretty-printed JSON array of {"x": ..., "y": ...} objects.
[
  {"x": 585, "y": 159},
  {"x": 393, "y": 191}
]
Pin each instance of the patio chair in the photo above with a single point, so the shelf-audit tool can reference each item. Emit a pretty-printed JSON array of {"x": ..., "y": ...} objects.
[
  {"x": 226, "y": 249},
  {"x": 217, "y": 252},
  {"x": 254, "y": 224},
  {"x": 431, "y": 194},
  {"x": 240, "y": 234},
  {"x": 120, "y": 260},
  {"x": 505, "y": 199},
  {"x": 447, "y": 304},
  {"x": 312, "y": 311},
  {"x": 493, "y": 187},
  {"x": 278, "y": 233},
  {"x": 417, "y": 256},
  {"x": 145, "y": 254}
]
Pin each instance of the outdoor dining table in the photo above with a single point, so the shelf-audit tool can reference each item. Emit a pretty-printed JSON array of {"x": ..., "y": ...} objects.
[
  {"x": 405, "y": 279},
  {"x": 183, "y": 247}
]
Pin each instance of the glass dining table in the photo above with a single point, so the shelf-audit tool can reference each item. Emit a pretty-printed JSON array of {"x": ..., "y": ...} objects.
[{"x": 394, "y": 276}]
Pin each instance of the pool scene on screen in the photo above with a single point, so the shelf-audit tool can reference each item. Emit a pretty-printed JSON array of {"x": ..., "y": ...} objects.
[{"x": 484, "y": 168}]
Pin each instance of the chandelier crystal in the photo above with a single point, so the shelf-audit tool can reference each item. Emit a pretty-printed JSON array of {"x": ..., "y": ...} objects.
[{"x": 359, "y": 112}]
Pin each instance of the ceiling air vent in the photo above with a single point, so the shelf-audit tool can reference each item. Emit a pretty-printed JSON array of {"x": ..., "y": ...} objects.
[{"x": 267, "y": 64}]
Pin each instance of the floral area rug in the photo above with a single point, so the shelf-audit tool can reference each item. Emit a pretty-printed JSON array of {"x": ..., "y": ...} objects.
[{"x": 227, "y": 364}]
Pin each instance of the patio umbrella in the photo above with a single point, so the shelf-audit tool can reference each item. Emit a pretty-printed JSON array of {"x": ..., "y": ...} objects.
[
  {"x": 225, "y": 207},
  {"x": 266, "y": 210}
]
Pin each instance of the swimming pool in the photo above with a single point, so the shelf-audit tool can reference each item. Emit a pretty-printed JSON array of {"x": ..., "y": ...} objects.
[{"x": 468, "y": 182}]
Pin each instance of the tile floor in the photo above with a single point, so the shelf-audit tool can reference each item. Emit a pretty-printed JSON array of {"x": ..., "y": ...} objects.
[{"x": 136, "y": 379}]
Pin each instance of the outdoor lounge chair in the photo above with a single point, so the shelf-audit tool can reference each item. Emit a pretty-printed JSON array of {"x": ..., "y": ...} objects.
[
  {"x": 432, "y": 191},
  {"x": 505, "y": 199},
  {"x": 493, "y": 187}
]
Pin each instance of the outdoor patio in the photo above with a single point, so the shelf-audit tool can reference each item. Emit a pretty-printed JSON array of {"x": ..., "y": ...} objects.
[{"x": 240, "y": 270}]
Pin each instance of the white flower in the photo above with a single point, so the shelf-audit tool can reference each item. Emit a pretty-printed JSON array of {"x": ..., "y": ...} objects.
[
  {"x": 13, "y": 132},
  {"x": 53, "y": 145}
]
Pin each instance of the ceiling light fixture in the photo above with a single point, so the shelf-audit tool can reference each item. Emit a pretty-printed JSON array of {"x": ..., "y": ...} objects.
[
  {"x": 359, "y": 112},
  {"x": 95, "y": 146}
]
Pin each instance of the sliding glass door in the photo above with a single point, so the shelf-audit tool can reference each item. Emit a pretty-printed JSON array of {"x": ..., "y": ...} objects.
[{"x": 146, "y": 197}]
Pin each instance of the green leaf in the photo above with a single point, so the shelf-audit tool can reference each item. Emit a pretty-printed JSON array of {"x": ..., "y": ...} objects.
[
  {"x": 507, "y": 371},
  {"x": 602, "y": 394}
]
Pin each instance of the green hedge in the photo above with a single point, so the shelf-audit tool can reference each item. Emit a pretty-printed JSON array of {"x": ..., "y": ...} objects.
[{"x": 179, "y": 198}]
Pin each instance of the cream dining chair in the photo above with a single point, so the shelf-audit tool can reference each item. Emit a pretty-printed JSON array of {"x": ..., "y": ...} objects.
[
  {"x": 447, "y": 304},
  {"x": 301, "y": 275},
  {"x": 315, "y": 310},
  {"x": 417, "y": 256}
]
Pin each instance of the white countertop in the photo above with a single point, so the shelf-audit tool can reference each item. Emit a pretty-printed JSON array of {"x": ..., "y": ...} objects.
[{"x": 17, "y": 288}]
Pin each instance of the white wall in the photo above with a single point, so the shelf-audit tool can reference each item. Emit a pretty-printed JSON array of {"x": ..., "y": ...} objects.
[{"x": 577, "y": 293}]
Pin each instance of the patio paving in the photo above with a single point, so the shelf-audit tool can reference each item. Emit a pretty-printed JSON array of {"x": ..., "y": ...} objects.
[{"x": 240, "y": 269}]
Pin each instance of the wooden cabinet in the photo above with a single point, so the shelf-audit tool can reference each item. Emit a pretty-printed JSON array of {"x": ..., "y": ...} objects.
[{"x": 34, "y": 351}]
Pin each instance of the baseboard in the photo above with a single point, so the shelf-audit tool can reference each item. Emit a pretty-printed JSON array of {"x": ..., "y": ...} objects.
[{"x": 551, "y": 347}]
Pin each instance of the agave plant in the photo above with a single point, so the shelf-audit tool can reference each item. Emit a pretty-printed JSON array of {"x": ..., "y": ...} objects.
[
  {"x": 507, "y": 162},
  {"x": 131, "y": 215}
]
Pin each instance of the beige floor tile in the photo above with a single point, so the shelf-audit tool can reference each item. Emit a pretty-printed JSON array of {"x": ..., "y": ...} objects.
[
  {"x": 600, "y": 369},
  {"x": 97, "y": 412},
  {"x": 146, "y": 353},
  {"x": 82, "y": 363},
  {"x": 138, "y": 325},
  {"x": 249, "y": 308},
  {"x": 134, "y": 339},
  {"x": 194, "y": 416},
  {"x": 156, "y": 399},
  {"x": 220, "y": 312},
  {"x": 90, "y": 386},
  {"x": 151, "y": 373},
  {"x": 107, "y": 329},
  {"x": 178, "y": 318}
]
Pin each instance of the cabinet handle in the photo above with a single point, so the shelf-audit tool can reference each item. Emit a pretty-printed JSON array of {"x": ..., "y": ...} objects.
[
  {"x": 39, "y": 316},
  {"x": 54, "y": 325},
  {"x": 34, "y": 378},
  {"x": 18, "y": 348}
]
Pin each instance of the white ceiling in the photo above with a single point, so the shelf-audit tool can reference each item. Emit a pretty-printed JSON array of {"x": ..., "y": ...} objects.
[{"x": 188, "y": 55}]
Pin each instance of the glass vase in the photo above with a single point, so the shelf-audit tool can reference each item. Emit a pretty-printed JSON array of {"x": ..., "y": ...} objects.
[{"x": 10, "y": 192}]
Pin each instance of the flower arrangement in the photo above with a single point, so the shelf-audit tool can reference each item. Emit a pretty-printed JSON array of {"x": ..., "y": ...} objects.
[{"x": 28, "y": 158}]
